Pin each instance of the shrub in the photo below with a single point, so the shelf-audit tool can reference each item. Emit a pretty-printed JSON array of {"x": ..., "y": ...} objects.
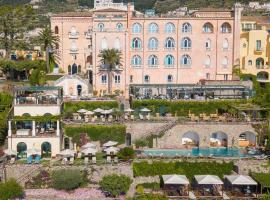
[
  {"x": 10, "y": 190},
  {"x": 152, "y": 186},
  {"x": 151, "y": 197},
  {"x": 100, "y": 133},
  {"x": 126, "y": 153},
  {"x": 67, "y": 179},
  {"x": 42, "y": 180},
  {"x": 188, "y": 168},
  {"x": 115, "y": 185},
  {"x": 265, "y": 197}
]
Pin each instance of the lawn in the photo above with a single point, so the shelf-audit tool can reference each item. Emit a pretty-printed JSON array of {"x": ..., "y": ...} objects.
[{"x": 262, "y": 178}]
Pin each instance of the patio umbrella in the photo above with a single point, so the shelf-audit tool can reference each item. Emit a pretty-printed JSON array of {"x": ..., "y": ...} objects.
[
  {"x": 89, "y": 112},
  {"x": 89, "y": 151},
  {"x": 82, "y": 111},
  {"x": 110, "y": 150},
  {"x": 33, "y": 151},
  {"x": 89, "y": 145},
  {"x": 145, "y": 110},
  {"x": 109, "y": 144},
  {"x": 129, "y": 110},
  {"x": 106, "y": 112},
  {"x": 67, "y": 152},
  {"x": 10, "y": 152},
  {"x": 98, "y": 110}
]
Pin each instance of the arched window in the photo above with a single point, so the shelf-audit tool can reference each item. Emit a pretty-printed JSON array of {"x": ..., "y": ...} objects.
[
  {"x": 136, "y": 28},
  {"x": 153, "y": 28},
  {"x": 186, "y": 28},
  {"x": 104, "y": 79},
  {"x": 169, "y": 61},
  {"x": 250, "y": 62},
  {"x": 207, "y": 62},
  {"x": 117, "y": 44},
  {"x": 117, "y": 79},
  {"x": 101, "y": 27},
  {"x": 208, "y": 28},
  {"x": 186, "y": 61},
  {"x": 169, "y": 78},
  {"x": 169, "y": 43},
  {"x": 136, "y": 43},
  {"x": 146, "y": 79},
  {"x": 104, "y": 44},
  {"x": 226, "y": 28},
  {"x": 136, "y": 61},
  {"x": 225, "y": 62},
  {"x": 186, "y": 43},
  {"x": 73, "y": 31},
  {"x": 152, "y": 61},
  {"x": 74, "y": 69},
  {"x": 259, "y": 63},
  {"x": 153, "y": 44},
  {"x": 119, "y": 27},
  {"x": 225, "y": 44},
  {"x": 21, "y": 148},
  {"x": 56, "y": 30},
  {"x": 208, "y": 44},
  {"x": 170, "y": 28}
]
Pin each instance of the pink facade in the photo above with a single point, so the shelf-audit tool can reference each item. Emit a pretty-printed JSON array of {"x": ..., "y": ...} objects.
[{"x": 155, "y": 49}]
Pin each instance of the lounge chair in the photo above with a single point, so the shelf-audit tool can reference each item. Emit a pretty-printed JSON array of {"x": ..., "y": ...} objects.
[
  {"x": 86, "y": 160},
  {"x": 94, "y": 159},
  {"x": 37, "y": 159},
  {"x": 12, "y": 160},
  {"x": 29, "y": 160},
  {"x": 71, "y": 161}
]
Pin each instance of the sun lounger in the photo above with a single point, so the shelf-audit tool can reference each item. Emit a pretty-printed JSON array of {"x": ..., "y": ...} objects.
[{"x": 29, "y": 160}]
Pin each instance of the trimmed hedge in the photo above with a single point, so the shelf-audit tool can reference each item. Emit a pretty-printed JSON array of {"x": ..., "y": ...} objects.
[
  {"x": 182, "y": 107},
  {"x": 188, "y": 168},
  {"x": 153, "y": 185},
  {"x": 100, "y": 133},
  {"x": 89, "y": 105}
]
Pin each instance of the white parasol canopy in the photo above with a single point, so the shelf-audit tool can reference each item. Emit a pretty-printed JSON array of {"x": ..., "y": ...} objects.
[
  {"x": 89, "y": 151},
  {"x": 98, "y": 110},
  {"x": 240, "y": 180},
  {"x": 110, "y": 150},
  {"x": 175, "y": 179},
  {"x": 82, "y": 111},
  {"x": 129, "y": 110},
  {"x": 67, "y": 152},
  {"x": 145, "y": 110},
  {"x": 10, "y": 152},
  {"x": 105, "y": 112},
  {"x": 110, "y": 143},
  {"x": 208, "y": 180},
  {"x": 89, "y": 112},
  {"x": 89, "y": 145},
  {"x": 33, "y": 151}
]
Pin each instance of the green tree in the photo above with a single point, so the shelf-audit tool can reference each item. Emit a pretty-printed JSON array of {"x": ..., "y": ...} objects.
[
  {"x": 10, "y": 190},
  {"x": 126, "y": 153},
  {"x": 37, "y": 77},
  {"x": 111, "y": 60},
  {"x": 115, "y": 185},
  {"x": 49, "y": 41}
]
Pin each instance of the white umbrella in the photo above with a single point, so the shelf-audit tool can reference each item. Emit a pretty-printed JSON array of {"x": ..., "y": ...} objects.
[
  {"x": 98, "y": 110},
  {"x": 89, "y": 151},
  {"x": 82, "y": 111},
  {"x": 89, "y": 112},
  {"x": 129, "y": 110},
  {"x": 33, "y": 151},
  {"x": 145, "y": 110},
  {"x": 105, "y": 112},
  {"x": 10, "y": 152},
  {"x": 89, "y": 145},
  {"x": 109, "y": 144},
  {"x": 67, "y": 152},
  {"x": 110, "y": 150}
]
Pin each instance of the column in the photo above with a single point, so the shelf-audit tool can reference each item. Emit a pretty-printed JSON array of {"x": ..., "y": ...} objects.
[
  {"x": 58, "y": 128},
  {"x": 9, "y": 129},
  {"x": 33, "y": 128}
]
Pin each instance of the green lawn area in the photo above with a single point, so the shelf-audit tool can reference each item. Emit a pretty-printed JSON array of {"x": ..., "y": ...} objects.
[{"x": 262, "y": 178}]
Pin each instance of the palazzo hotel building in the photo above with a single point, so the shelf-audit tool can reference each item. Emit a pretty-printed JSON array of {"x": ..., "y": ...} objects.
[{"x": 173, "y": 48}]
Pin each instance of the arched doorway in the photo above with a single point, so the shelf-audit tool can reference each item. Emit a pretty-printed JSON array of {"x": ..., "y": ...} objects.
[
  {"x": 21, "y": 149},
  {"x": 219, "y": 139},
  {"x": 90, "y": 74},
  {"x": 89, "y": 59},
  {"x": 79, "y": 90},
  {"x": 74, "y": 69},
  {"x": 46, "y": 149},
  {"x": 247, "y": 139},
  {"x": 263, "y": 76},
  {"x": 128, "y": 139},
  {"x": 66, "y": 143},
  {"x": 191, "y": 138}
]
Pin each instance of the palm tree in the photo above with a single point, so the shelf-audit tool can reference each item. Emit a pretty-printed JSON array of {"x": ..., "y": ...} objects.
[
  {"x": 49, "y": 42},
  {"x": 110, "y": 59}
]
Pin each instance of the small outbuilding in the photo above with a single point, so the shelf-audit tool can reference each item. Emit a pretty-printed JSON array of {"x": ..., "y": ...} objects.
[{"x": 176, "y": 184}]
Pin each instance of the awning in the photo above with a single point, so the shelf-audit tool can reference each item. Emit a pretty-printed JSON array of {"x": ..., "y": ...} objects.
[
  {"x": 109, "y": 144},
  {"x": 89, "y": 145},
  {"x": 240, "y": 180},
  {"x": 110, "y": 150},
  {"x": 175, "y": 179},
  {"x": 89, "y": 151},
  {"x": 208, "y": 180}
]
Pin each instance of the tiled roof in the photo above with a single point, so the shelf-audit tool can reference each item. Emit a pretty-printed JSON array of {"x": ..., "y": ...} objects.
[
  {"x": 258, "y": 19},
  {"x": 74, "y": 14}
]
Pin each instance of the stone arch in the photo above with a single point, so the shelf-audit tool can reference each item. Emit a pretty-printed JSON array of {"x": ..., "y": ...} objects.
[
  {"x": 21, "y": 148},
  {"x": 191, "y": 138},
  {"x": 219, "y": 139},
  {"x": 46, "y": 149},
  {"x": 246, "y": 139}
]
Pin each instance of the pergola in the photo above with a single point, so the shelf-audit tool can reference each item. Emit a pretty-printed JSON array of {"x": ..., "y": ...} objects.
[
  {"x": 174, "y": 182},
  {"x": 208, "y": 183},
  {"x": 250, "y": 109}
]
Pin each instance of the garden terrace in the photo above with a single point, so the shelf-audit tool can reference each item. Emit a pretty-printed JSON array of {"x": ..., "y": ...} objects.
[{"x": 264, "y": 181}]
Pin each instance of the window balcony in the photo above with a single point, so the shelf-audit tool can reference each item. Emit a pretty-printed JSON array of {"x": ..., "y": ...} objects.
[
  {"x": 258, "y": 50},
  {"x": 169, "y": 48},
  {"x": 185, "y": 48},
  {"x": 73, "y": 50}
]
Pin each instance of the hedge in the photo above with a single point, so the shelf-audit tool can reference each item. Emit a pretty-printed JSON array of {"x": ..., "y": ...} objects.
[
  {"x": 153, "y": 185},
  {"x": 182, "y": 107},
  {"x": 187, "y": 168},
  {"x": 102, "y": 133}
]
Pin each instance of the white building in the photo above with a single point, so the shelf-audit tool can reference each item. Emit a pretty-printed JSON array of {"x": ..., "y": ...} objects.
[{"x": 35, "y": 121}]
